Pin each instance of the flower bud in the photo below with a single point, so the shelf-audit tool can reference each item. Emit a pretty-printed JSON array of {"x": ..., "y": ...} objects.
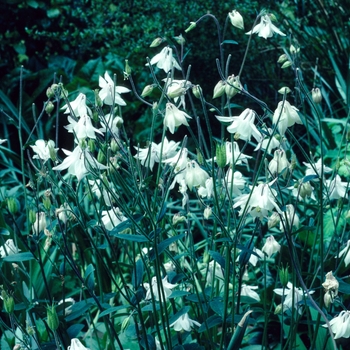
[
  {"x": 9, "y": 302},
  {"x": 52, "y": 318},
  {"x": 114, "y": 146},
  {"x": 50, "y": 93},
  {"x": 293, "y": 50},
  {"x": 47, "y": 203},
  {"x": 177, "y": 218},
  {"x": 40, "y": 223},
  {"x": 156, "y": 42},
  {"x": 233, "y": 86},
  {"x": 127, "y": 69},
  {"x": 197, "y": 91},
  {"x": 279, "y": 309},
  {"x": 283, "y": 58},
  {"x": 98, "y": 101},
  {"x": 101, "y": 158},
  {"x": 221, "y": 158},
  {"x": 147, "y": 90},
  {"x": 192, "y": 26},
  {"x": 92, "y": 145},
  {"x": 207, "y": 213},
  {"x": 283, "y": 274},
  {"x": 284, "y": 90},
  {"x": 219, "y": 89},
  {"x": 180, "y": 39},
  {"x": 328, "y": 299},
  {"x": 236, "y": 19},
  {"x": 54, "y": 89},
  {"x": 286, "y": 64},
  {"x": 200, "y": 158},
  {"x": 176, "y": 92},
  {"x": 32, "y": 216},
  {"x": 49, "y": 107},
  {"x": 305, "y": 190},
  {"x": 273, "y": 220},
  {"x": 316, "y": 95},
  {"x": 12, "y": 205}
]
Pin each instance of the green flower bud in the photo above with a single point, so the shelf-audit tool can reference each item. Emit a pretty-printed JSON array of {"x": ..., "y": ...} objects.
[
  {"x": 316, "y": 95},
  {"x": 9, "y": 302},
  {"x": 207, "y": 213},
  {"x": 127, "y": 68},
  {"x": 177, "y": 218},
  {"x": 219, "y": 89},
  {"x": 52, "y": 151},
  {"x": 98, "y": 101},
  {"x": 197, "y": 91},
  {"x": 147, "y": 90},
  {"x": 12, "y": 205},
  {"x": 200, "y": 158},
  {"x": 156, "y": 42},
  {"x": 92, "y": 145},
  {"x": 293, "y": 50},
  {"x": 52, "y": 318},
  {"x": 279, "y": 309},
  {"x": 101, "y": 158},
  {"x": 286, "y": 64},
  {"x": 283, "y": 58},
  {"x": 53, "y": 89},
  {"x": 192, "y": 26},
  {"x": 221, "y": 158},
  {"x": 114, "y": 146},
  {"x": 32, "y": 216},
  {"x": 47, "y": 203},
  {"x": 284, "y": 90},
  {"x": 283, "y": 274},
  {"x": 50, "y": 93},
  {"x": 180, "y": 39},
  {"x": 49, "y": 107},
  {"x": 206, "y": 257}
]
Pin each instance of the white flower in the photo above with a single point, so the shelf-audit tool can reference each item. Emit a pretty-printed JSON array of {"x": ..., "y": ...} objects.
[
  {"x": 345, "y": 251},
  {"x": 285, "y": 116},
  {"x": 82, "y": 128},
  {"x": 265, "y": 28},
  {"x": 176, "y": 89},
  {"x": 234, "y": 155},
  {"x": 110, "y": 124},
  {"x": 184, "y": 323},
  {"x": 112, "y": 218},
  {"x": 331, "y": 284},
  {"x": 279, "y": 163},
  {"x": 217, "y": 273},
  {"x": 152, "y": 154},
  {"x": 248, "y": 291},
  {"x": 40, "y": 223},
  {"x": 271, "y": 246},
  {"x": 268, "y": 141},
  {"x": 337, "y": 188},
  {"x": 253, "y": 257},
  {"x": 259, "y": 202},
  {"x": 236, "y": 19},
  {"x": 110, "y": 93},
  {"x": 2, "y": 141},
  {"x": 42, "y": 149},
  {"x": 316, "y": 168},
  {"x": 167, "y": 287},
  {"x": 289, "y": 291},
  {"x": 8, "y": 248},
  {"x": 69, "y": 302},
  {"x": 195, "y": 176},
  {"x": 78, "y": 106},
  {"x": 242, "y": 126},
  {"x": 174, "y": 117},
  {"x": 76, "y": 345},
  {"x": 235, "y": 184},
  {"x": 165, "y": 60},
  {"x": 79, "y": 162},
  {"x": 341, "y": 325},
  {"x": 302, "y": 190},
  {"x": 207, "y": 190},
  {"x": 289, "y": 218},
  {"x": 96, "y": 188}
]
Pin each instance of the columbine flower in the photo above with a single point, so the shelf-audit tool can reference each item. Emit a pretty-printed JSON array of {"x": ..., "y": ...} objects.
[
  {"x": 78, "y": 106},
  {"x": 248, "y": 291},
  {"x": 167, "y": 287},
  {"x": 242, "y": 126},
  {"x": 76, "y": 345},
  {"x": 97, "y": 187},
  {"x": 279, "y": 163},
  {"x": 79, "y": 162},
  {"x": 236, "y": 19},
  {"x": 165, "y": 60},
  {"x": 260, "y": 202},
  {"x": 285, "y": 116},
  {"x": 195, "y": 175},
  {"x": 111, "y": 124},
  {"x": 315, "y": 169},
  {"x": 176, "y": 89},
  {"x": 110, "y": 93},
  {"x": 40, "y": 223},
  {"x": 217, "y": 273},
  {"x": 346, "y": 251},
  {"x": 207, "y": 190},
  {"x": 235, "y": 184},
  {"x": 184, "y": 323},
  {"x": 302, "y": 190},
  {"x": 8, "y": 248},
  {"x": 268, "y": 141},
  {"x": 299, "y": 295},
  {"x": 331, "y": 286},
  {"x": 82, "y": 128},
  {"x": 265, "y": 28},
  {"x": 152, "y": 154},
  {"x": 341, "y": 325},
  {"x": 234, "y": 155},
  {"x": 337, "y": 188},
  {"x": 112, "y": 218},
  {"x": 289, "y": 218},
  {"x": 271, "y": 246},
  {"x": 42, "y": 149},
  {"x": 253, "y": 257},
  {"x": 174, "y": 117}
]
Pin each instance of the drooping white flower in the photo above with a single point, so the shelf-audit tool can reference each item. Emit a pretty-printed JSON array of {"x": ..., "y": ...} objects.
[
  {"x": 76, "y": 345},
  {"x": 110, "y": 93},
  {"x": 268, "y": 141},
  {"x": 337, "y": 188},
  {"x": 99, "y": 189},
  {"x": 165, "y": 60},
  {"x": 285, "y": 116},
  {"x": 265, "y": 28},
  {"x": 289, "y": 218},
  {"x": 184, "y": 323},
  {"x": 176, "y": 89},
  {"x": 234, "y": 155},
  {"x": 340, "y": 325},
  {"x": 236, "y": 19},
  {"x": 316, "y": 168},
  {"x": 302, "y": 190},
  {"x": 111, "y": 124},
  {"x": 260, "y": 202},
  {"x": 345, "y": 251},
  {"x": 42, "y": 149},
  {"x": 207, "y": 190},
  {"x": 79, "y": 162},
  {"x": 8, "y": 248},
  {"x": 217, "y": 273},
  {"x": 293, "y": 297},
  {"x": 78, "y": 106},
  {"x": 279, "y": 163},
  {"x": 249, "y": 291},
  {"x": 82, "y": 128},
  {"x": 234, "y": 185},
  {"x": 271, "y": 246},
  {"x": 331, "y": 284},
  {"x": 112, "y": 218},
  {"x": 174, "y": 117},
  {"x": 195, "y": 176},
  {"x": 253, "y": 257},
  {"x": 242, "y": 126},
  {"x": 166, "y": 286},
  {"x": 40, "y": 223}
]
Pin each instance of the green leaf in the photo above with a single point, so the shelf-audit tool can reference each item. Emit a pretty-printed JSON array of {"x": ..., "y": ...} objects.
[
  {"x": 164, "y": 245},
  {"x": 217, "y": 306},
  {"x": 4, "y": 231},
  {"x": 113, "y": 309},
  {"x": 137, "y": 274},
  {"x": 19, "y": 257},
  {"x": 89, "y": 278},
  {"x": 211, "y": 322},
  {"x": 132, "y": 238},
  {"x": 231, "y": 42}
]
